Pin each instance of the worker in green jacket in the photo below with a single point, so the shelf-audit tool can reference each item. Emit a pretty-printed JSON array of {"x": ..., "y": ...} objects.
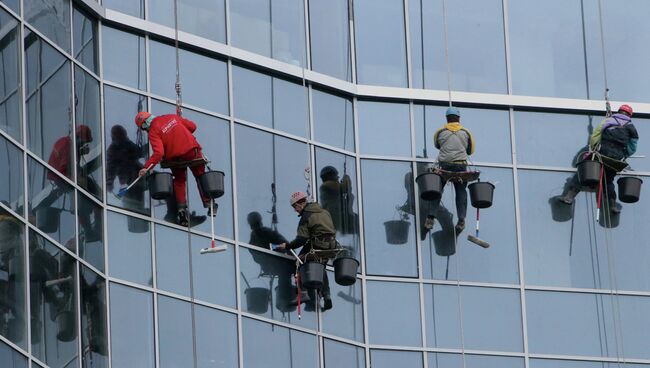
[{"x": 315, "y": 230}]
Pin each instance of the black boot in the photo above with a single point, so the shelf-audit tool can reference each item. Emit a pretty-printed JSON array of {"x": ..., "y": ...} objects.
[
  {"x": 327, "y": 303},
  {"x": 614, "y": 206},
  {"x": 460, "y": 226},
  {"x": 568, "y": 197},
  {"x": 181, "y": 216}
]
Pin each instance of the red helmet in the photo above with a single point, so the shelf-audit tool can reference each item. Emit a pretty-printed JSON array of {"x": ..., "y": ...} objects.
[
  {"x": 84, "y": 134},
  {"x": 297, "y": 197},
  {"x": 141, "y": 118},
  {"x": 626, "y": 109}
]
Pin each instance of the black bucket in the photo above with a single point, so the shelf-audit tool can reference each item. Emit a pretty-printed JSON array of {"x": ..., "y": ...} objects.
[
  {"x": 629, "y": 189},
  {"x": 311, "y": 275},
  {"x": 160, "y": 185},
  {"x": 48, "y": 219},
  {"x": 560, "y": 211},
  {"x": 66, "y": 323},
  {"x": 608, "y": 219},
  {"x": 136, "y": 225},
  {"x": 397, "y": 231},
  {"x": 444, "y": 243},
  {"x": 589, "y": 173},
  {"x": 212, "y": 184},
  {"x": 257, "y": 300},
  {"x": 430, "y": 186},
  {"x": 345, "y": 270},
  {"x": 481, "y": 194}
]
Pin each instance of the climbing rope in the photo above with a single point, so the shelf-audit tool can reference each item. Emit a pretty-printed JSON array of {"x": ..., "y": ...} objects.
[
  {"x": 608, "y": 106},
  {"x": 444, "y": 19},
  {"x": 179, "y": 96}
]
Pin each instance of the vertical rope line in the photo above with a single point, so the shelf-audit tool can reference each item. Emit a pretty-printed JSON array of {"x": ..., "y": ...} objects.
[
  {"x": 179, "y": 98},
  {"x": 602, "y": 50},
  {"x": 444, "y": 20}
]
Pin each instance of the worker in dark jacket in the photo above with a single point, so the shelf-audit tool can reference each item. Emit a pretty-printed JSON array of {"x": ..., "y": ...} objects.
[
  {"x": 616, "y": 138},
  {"x": 172, "y": 140},
  {"x": 455, "y": 143},
  {"x": 336, "y": 197},
  {"x": 315, "y": 230}
]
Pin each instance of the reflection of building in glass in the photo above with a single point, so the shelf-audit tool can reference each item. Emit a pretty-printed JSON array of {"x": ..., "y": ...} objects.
[{"x": 353, "y": 91}]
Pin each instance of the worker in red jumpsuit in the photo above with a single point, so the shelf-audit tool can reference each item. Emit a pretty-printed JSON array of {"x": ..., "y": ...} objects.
[{"x": 172, "y": 140}]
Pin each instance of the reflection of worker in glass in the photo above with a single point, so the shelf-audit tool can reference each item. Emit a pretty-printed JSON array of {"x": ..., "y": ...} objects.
[
  {"x": 123, "y": 162},
  {"x": 93, "y": 321},
  {"x": 429, "y": 210},
  {"x": 336, "y": 197},
  {"x": 11, "y": 272}
]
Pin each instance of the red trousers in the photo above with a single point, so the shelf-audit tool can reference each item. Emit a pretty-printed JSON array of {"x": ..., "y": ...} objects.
[{"x": 180, "y": 176}]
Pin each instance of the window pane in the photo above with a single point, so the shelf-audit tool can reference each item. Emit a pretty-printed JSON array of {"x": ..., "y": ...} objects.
[
  {"x": 332, "y": 120},
  {"x": 482, "y": 123},
  {"x": 94, "y": 338},
  {"x": 85, "y": 39},
  {"x": 172, "y": 260},
  {"x": 175, "y": 333},
  {"x": 12, "y": 186},
  {"x": 288, "y": 31},
  {"x": 213, "y": 275},
  {"x": 547, "y": 363},
  {"x": 132, "y": 339},
  {"x": 389, "y": 229},
  {"x": 130, "y": 7},
  {"x": 547, "y": 57},
  {"x": 205, "y": 18},
  {"x": 346, "y": 318},
  {"x": 10, "y": 92},
  {"x": 390, "y": 359},
  {"x": 204, "y": 79},
  {"x": 53, "y": 302},
  {"x": 52, "y": 19},
  {"x": 91, "y": 231},
  {"x": 11, "y": 358},
  {"x": 129, "y": 248},
  {"x": 491, "y": 318},
  {"x": 215, "y": 328},
  {"x": 127, "y": 148},
  {"x": 282, "y": 347},
  {"x": 385, "y": 326},
  {"x": 250, "y": 25},
  {"x": 380, "y": 42},
  {"x": 384, "y": 128},
  {"x": 13, "y": 5},
  {"x": 127, "y": 66},
  {"x": 338, "y": 354},
  {"x": 51, "y": 204},
  {"x": 13, "y": 321},
  {"x": 443, "y": 360},
  {"x": 330, "y": 38},
  {"x": 476, "y": 33},
  {"x": 88, "y": 139}
]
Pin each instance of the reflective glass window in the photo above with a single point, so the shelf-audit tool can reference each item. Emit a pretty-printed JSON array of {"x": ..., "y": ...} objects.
[
  {"x": 12, "y": 186},
  {"x": 588, "y": 324},
  {"x": 85, "y": 39},
  {"x": 215, "y": 328},
  {"x": 213, "y": 276},
  {"x": 94, "y": 334},
  {"x": 49, "y": 107},
  {"x": 637, "y": 161},
  {"x": 13, "y": 5},
  {"x": 51, "y": 18},
  {"x": 332, "y": 120},
  {"x": 385, "y": 326},
  {"x": 380, "y": 42},
  {"x": 172, "y": 260},
  {"x": 204, "y": 79},
  {"x": 127, "y": 148},
  {"x": 11, "y": 358},
  {"x": 482, "y": 123},
  {"x": 548, "y": 363},
  {"x": 130, "y": 7},
  {"x": 91, "y": 231},
  {"x": 205, "y": 18},
  {"x": 548, "y": 58},
  {"x": 10, "y": 93},
  {"x": 267, "y": 283},
  {"x": 13, "y": 321},
  {"x": 443, "y": 360},
  {"x": 214, "y": 136},
  {"x": 53, "y": 302},
  {"x": 51, "y": 204},
  {"x": 384, "y": 128},
  {"x": 390, "y": 359},
  {"x": 491, "y": 318},
  {"x": 270, "y": 101},
  {"x": 536, "y": 133},
  {"x": 388, "y": 218},
  {"x": 474, "y": 32},
  {"x": 129, "y": 248},
  {"x": 175, "y": 333},
  {"x": 282, "y": 347},
  {"x": 270, "y": 28},
  {"x": 338, "y": 354},
  {"x": 123, "y": 57},
  {"x": 346, "y": 318},
  {"x": 88, "y": 133},
  {"x": 330, "y": 38},
  {"x": 132, "y": 336},
  {"x": 266, "y": 177},
  {"x": 469, "y": 261},
  {"x": 565, "y": 246}
]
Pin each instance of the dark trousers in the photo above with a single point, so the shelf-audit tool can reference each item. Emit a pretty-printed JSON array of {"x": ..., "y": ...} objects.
[{"x": 459, "y": 187}]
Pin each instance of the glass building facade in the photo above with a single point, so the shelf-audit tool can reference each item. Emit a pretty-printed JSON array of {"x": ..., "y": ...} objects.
[{"x": 280, "y": 90}]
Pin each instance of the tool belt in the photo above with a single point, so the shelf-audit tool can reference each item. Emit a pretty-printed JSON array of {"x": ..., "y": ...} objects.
[
  {"x": 180, "y": 164},
  {"x": 324, "y": 242}
]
